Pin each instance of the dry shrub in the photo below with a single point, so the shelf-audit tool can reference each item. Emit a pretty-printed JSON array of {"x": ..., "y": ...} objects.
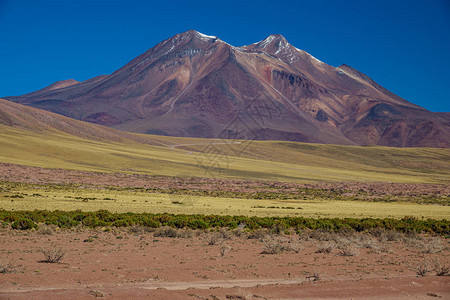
[
  {"x": 275, "y": 246},
  {"x": 325, "y": 247},
  {"x": 423, "y": 268},
  {"x": 384, "y": 235},
  {"x": 224, "y": 234},
  {"x": 412, "y": 236},
  {"x": 384, "y": 248},
  {"x": 185, "y": 233},
  {"x": 53, "y": 255},
  {"x": 238, "y": 232},
  {"x": 295, "y": 247},
  {"x": 137, "y": 229},
  {"x": 348, "y": 250},
  {"x": 272, "y": 246},
  {"x": 224, "y": 250},
  {"x": 392, "y": 236},
  {"x": 166, "y": 232},
  {"x": 366, "y": 241},
  {"x": 5, "y": 267},
  {"x": 341, "y": 240},
  {"x": 321, "y": 235},
  {"x": 377, "y": 232},
  {"x": 173, "y": 233},
  {"x": 304, "y": 235},
  {"x": 215, "y": 239},
  {"x": 45, "y": 230},
  {"x": 442, "y": 269},
  {"x": 259, "y": 234},
  {"x": 432, "y": 246}
]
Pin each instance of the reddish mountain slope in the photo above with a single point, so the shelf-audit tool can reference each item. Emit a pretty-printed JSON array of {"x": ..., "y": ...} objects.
[
  {"x": 15, "y": 115},
  {"x": 197, "y": 85}
]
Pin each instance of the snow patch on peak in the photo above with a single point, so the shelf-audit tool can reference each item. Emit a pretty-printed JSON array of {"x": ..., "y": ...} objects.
[
  {"x": 263, "y": 44},
  {"x": 204, "y": 36},
  {"x": 277, "y": 40},
  {"x": 282, "y": 46}
]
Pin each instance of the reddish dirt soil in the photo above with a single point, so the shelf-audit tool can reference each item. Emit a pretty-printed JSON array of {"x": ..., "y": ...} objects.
[
  {"x": 36, "y": 175},
  {"x": 138, "y": 265}
]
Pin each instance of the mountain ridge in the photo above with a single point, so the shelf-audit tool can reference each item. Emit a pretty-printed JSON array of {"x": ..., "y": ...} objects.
[{"x": 194, "y": 85}]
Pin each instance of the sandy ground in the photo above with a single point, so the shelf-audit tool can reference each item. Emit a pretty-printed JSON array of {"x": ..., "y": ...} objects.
[{"x": 139, "y": 265}]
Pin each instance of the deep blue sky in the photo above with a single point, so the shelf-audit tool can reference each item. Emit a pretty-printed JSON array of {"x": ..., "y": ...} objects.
[{"x": 403, "y": 45}]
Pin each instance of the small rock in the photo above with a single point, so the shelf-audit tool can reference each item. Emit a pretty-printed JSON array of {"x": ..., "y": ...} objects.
[{"x": 96, "y": 293}]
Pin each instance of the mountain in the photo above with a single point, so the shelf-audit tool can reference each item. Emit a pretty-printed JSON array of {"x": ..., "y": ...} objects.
[{"x": 195, "y": 85}]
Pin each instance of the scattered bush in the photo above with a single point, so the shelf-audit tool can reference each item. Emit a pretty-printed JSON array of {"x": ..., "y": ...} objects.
[
  {"x": 225, "y": 234},
  {"x": 272, "y": 246},
  {"x": 366, "y": 242},
  {"x": 224, "y": 250},
  {"x": 275, "y": 246},
  {"x": 238, "y": 232},
  {"x": 325, "y": 247},
  {"x": 384, "y": 248},
  {"x": 259, "y": 234},
  {"x": 320, "y": 235},
  {"x": 5, "y": 267},
  {"x": 348, "y": 250},
  {"x": 422, "y": 268},
  {"x": 166, "y": 232},
  {"x": 214, "y": 239},
  {"x": 53, "y": 255},
  {"x": 433, "y": 246},
  {"x": 442, "y": 269},
  {"x": 295, "y": 247},
  {"x": 24, "y": 224},
  {"x": 138, "y": 229},
  {"x": 392, "y": 236},
  {"x": 45, "y": 230}
]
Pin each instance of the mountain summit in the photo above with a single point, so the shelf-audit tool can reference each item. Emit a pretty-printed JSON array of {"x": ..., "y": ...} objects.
[{"x": 197, "y": 85}]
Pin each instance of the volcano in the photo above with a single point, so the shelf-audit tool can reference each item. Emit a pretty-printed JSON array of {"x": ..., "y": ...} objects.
[{"x": 194, "y": 85}]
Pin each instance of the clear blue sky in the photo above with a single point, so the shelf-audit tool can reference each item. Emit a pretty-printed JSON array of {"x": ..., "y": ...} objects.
[{"x": 403, "y": 45}]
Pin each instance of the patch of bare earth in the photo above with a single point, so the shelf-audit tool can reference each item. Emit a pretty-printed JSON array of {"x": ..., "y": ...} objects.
[{"x": 145, "y": 264}]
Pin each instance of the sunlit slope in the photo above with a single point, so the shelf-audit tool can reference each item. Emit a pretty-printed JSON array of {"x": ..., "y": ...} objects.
[
  {"x": 34, "y": 137},
  {"x": 260, "y": 160}
]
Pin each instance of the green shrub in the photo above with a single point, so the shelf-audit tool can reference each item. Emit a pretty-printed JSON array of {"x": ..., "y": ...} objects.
[
  {"x": 149, "y": 222},
  {"x": 92, "y": 221},
  {"x": 66, "y": 222},
  {"x": 24, "y": 224},
  {"x": 122, "y": 223},
  {"x": 64, "y": 219}
]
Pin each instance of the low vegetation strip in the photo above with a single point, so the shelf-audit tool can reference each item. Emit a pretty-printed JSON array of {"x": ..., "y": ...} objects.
[
  {"x": 15, "y": 178},
  {"x": 103, "y": 218}
]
